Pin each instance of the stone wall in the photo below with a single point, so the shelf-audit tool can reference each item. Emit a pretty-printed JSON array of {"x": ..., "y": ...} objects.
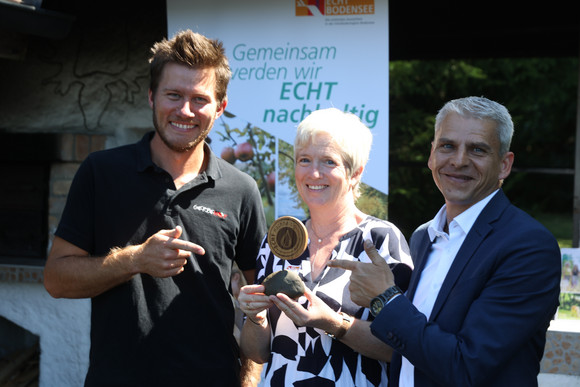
[
  {"x": 89, "y": 90},
  {"x": 562, "y": 351},
  {"x": 73, "y": 149},
  {"x": 62, "y": 325}
]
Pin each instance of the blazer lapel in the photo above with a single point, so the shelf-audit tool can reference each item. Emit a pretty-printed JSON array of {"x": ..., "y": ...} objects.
[
  {"x": 481, "y": 228},
  {"x": 419, "y": 262}
]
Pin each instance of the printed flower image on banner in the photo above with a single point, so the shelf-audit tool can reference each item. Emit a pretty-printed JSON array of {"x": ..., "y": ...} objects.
[
  {"x": 570, "y": 284},
  {"x": 251, "y": 150}
]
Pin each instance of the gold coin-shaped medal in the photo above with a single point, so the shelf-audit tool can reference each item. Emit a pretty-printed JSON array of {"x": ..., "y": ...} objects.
[{"x": 287, "y": 237}]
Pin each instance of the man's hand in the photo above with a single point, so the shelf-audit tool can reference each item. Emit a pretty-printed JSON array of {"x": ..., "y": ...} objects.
[
  {"x": 164, "y": 254},
  {"x": 367, "y": 280},
  {"x": 68, "y": 273}
]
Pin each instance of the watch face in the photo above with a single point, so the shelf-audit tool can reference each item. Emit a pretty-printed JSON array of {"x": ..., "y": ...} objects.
[{"x": 376, "y": 306}]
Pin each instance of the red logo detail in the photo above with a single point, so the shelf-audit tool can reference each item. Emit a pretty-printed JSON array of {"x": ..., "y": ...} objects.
[
  {"x": 220, "y": 214},
  {"x": 303, "y": 7}
]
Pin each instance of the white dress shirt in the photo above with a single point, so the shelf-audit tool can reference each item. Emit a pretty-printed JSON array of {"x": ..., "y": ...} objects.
[{"x": 445, "y": 248}]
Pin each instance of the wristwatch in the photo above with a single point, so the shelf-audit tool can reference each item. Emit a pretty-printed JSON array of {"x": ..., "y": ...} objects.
[
  {"x": 381, "y": 300},
  {"x": 344, "y": 327}
]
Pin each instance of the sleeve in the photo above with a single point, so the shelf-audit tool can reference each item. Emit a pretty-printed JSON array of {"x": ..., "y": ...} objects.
[
  {"x": 392, "y": 245},
  {"x": 398, "y": 246},
  {"x": 389, "y": 241},
  {"x": 77, "y": 222},
  {"x": 399, "y": 249},
  {"x": 497, "y": 313},
  {"x": 252, "y": 228}
]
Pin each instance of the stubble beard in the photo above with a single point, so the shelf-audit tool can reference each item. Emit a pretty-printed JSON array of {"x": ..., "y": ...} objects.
[{"x": 178, "y": 147}]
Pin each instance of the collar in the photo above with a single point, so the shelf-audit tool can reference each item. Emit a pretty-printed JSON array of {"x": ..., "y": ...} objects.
[
  {"x": 465, "y": 220},
  {"x": 145, "y": 161},
  {"x": 213, "y": 168}
]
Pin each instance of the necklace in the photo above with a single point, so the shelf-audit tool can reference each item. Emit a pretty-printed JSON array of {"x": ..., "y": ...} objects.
[{"x": 320, "y": 239}]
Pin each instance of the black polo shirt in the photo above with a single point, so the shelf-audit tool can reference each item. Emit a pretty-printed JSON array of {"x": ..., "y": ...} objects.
[{"x": 164, "y": 331}]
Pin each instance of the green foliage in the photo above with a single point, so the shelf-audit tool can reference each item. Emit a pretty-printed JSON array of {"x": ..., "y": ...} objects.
[
  {"x": 373, "y": 202},
  {"x": 540, "y": 94},
  {"x": 559, "y": 224}
]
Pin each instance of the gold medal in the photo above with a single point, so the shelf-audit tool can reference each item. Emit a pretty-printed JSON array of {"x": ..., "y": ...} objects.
[{"x": 287, "y": 237}]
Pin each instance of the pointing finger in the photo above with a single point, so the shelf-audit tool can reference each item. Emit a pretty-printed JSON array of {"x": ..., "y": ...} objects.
[
  {"x": 343, "y": 264},
  {"x": 173, "y": 233},
  {"x": 372, "y": 253},
  {"x": 187, "y": 246},
  {"x": 179, "y": 244}
]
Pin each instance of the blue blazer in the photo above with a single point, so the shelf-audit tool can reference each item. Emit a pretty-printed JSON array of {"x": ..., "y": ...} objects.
[{"x": 488, "y": 325}]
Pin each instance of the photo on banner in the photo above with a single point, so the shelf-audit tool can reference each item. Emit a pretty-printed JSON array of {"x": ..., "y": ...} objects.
[
  {"x": 570, "y": 285},
  {"x": 289, "y": 58}
]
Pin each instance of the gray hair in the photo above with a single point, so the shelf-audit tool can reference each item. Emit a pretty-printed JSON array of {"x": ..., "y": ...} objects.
[{"x": 483, "y": 109}]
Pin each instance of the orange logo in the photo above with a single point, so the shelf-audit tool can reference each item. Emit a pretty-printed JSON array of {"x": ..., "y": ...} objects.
[{"x": 334, "y": 7}]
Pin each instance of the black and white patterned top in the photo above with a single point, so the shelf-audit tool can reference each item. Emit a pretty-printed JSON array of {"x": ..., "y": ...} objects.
[{"x": 303, "y": 356}]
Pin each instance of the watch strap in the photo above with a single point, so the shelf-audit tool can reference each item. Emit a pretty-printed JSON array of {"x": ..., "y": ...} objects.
[
  {"x": 384, "y": 298},
  {"x": 344, "y": 327}
]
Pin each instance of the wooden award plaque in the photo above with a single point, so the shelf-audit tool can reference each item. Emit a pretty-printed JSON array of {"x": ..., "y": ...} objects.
[{"x": 287, "y": 237}]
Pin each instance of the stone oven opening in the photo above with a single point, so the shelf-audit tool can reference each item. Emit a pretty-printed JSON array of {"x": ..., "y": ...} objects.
[
  {"x": 19, "y": 355},
  {"x": 25, "y": 161}
]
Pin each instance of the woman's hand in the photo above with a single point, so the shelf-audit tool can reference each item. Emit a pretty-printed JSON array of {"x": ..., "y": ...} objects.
[
  {"x": 255, "y": 336},
  {"x": 318, "y": 315},
  {"x": 254, "y": 303}
]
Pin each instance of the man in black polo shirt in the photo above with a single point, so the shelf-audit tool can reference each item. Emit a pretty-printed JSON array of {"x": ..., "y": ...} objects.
[{"x": 151, "y": 230}]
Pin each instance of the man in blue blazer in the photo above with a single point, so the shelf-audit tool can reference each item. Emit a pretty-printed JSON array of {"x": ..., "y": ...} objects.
[{"x": 486, "y": 278}]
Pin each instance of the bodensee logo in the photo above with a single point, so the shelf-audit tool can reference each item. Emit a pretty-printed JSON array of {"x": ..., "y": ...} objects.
[{"x": 334, "y": 7}]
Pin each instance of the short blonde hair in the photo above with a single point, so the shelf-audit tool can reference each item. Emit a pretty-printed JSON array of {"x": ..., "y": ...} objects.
[{"x": 352, "y": 138}]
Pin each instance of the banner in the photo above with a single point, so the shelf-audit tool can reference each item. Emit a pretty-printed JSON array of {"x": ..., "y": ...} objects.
[
  {"x": 289, "y": 58},
  {"x": 570, "y": 285}
]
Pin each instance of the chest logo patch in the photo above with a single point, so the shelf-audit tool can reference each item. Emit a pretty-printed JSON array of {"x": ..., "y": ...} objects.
[{"x": 210, "y": 211}]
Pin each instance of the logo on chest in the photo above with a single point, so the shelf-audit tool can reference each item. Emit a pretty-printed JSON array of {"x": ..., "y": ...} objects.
[{"x": 209, "y": 211}]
